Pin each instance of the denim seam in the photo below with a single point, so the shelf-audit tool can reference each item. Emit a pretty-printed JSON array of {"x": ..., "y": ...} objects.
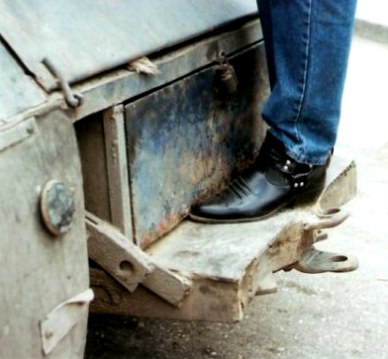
[{"x": 304, "y": 81}]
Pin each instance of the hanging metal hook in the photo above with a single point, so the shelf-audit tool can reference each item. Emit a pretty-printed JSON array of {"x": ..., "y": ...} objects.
[{"x": 71, "y": 98}]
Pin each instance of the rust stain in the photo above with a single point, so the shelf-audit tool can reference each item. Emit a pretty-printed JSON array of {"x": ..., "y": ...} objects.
[
  {"x": 166, "y": 225},
  {"x": 190, "y": 147}
]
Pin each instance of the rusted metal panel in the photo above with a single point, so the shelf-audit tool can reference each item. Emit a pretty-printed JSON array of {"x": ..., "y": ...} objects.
[
  {"x": 18, "y": 92},
  {"x": 104, "y": 181},
  {"x": 185, "y": 139},
  {"x": 83, "y": 38},
  {"x": 40, "y": 270}
]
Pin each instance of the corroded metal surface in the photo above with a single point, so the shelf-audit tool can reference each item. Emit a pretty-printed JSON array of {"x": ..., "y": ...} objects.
[
  {"x": 185, "y": 139},
  {"x": 94, "y": 132},
  {"x": 57, "y": 207}
]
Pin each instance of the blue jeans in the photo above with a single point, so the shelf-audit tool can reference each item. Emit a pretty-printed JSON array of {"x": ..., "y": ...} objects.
[{"x": 307, "y": 44}]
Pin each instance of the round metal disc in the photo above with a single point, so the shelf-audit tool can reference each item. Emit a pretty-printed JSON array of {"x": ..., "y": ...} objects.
[{"x": 57, "y": 207}]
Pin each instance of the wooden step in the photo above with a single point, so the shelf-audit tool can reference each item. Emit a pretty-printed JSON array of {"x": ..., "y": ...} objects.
[{"x": 229, "y": 263}]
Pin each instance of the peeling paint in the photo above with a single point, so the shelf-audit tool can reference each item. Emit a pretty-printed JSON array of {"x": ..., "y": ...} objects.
[{"x": 184, "y": 142}]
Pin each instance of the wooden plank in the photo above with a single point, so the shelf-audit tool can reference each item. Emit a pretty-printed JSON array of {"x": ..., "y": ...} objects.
[
  {"x": 171, "y": 286},
  {"x": 130, "y": 266},
  {"x": 233, "y": 246},
  {"x": 108, "y": 247},
  {"x": 208, "y": 300},
  {"x": 117, "y": 170},
  {"x": 228, "y": 263}
]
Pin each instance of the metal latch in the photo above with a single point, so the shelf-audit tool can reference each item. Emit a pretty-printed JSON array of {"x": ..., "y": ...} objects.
[
  {"x": 71, "y": 98},
  {"x": 226, "y": 81}
]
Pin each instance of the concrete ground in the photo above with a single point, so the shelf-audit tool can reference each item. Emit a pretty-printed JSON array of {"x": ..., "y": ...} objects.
[{"x": 325, "y": 316}]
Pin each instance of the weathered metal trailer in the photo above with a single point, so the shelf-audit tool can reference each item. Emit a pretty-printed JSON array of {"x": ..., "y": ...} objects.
[{"x": 115, "y": 117}]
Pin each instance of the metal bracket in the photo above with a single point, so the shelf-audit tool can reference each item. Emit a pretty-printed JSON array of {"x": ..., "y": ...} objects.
[
  {"x": 317, "y": 261},
  {"x": 59, "y": 322},
  {"x": 129, "y": 265},
  {"x": 71, "y": 98}
]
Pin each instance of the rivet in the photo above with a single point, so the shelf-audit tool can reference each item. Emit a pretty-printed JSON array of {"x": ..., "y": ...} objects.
[
  {"x": 285, "y": 167},
  {"x": 57, "y": 207},
  {"x": 301, "y": 184},
  {"x": 288, "y": 162},
  {"x": 296, "y": 185},
  {"x": 30, "y": 129}
]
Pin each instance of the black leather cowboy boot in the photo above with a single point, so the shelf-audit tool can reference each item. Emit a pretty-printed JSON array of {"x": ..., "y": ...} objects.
[{"x": 272, "y": 183}]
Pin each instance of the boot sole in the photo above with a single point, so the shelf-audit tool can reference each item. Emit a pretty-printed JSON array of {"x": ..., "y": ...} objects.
[{"x": 302, "y": 199}]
